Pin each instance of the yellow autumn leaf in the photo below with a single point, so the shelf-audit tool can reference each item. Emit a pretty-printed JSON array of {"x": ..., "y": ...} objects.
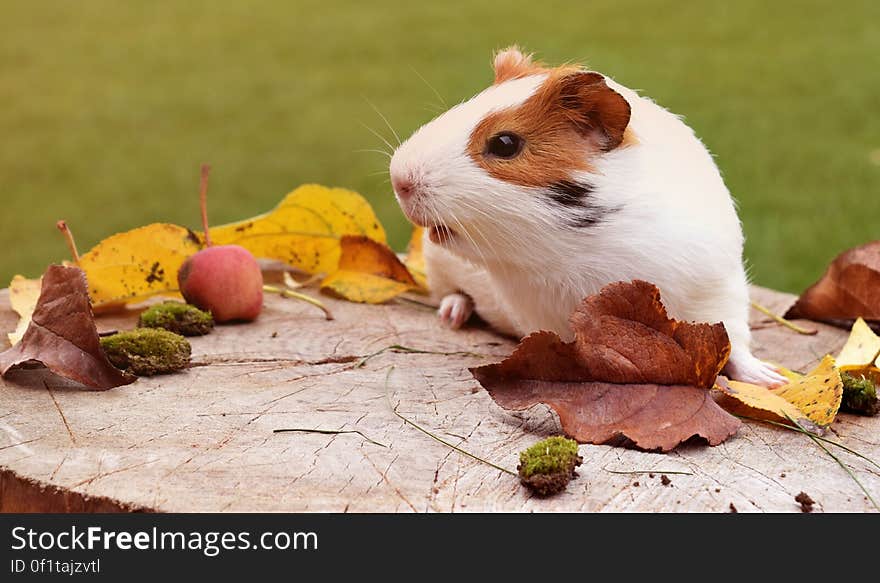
[
  {"x": 789, "y": 374},
  {"x": 365, "y": 288},
  {"x": 23, "y": 296},
  {"x": 760, "y": 402},
  {"x": 415, "y": 258},
  {"x": 862, "y": 348},
  {"x": 304, "y": 230},
  {"x": 368, "y": 272},
  {"x": 810, "y": 400},
  {"x": 818, "y": 394},
  {"x": 134, "y": 265}
]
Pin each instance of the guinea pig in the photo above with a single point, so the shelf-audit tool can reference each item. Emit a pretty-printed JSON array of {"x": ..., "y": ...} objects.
[{"x": 554, "y": 182}]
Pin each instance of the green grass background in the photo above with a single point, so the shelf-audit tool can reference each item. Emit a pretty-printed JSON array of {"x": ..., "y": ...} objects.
[{"x": 107, "y": 108}]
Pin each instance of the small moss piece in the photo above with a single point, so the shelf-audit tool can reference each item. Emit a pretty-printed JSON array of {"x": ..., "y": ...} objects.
[
  {"x": 147, "y": 351},
  {"x": 859, "y": 395},
  {"x": 548, "y": 466},
  {"x": 177, "y": 317}
]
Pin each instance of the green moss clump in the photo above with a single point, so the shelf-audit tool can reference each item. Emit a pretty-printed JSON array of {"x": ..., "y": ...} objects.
[
  {"x": 548, "y": 466},
  {"x": 859, "y": 395},
  {"x": 147, "y": 351},
  {"x": 179, "y": 318}
]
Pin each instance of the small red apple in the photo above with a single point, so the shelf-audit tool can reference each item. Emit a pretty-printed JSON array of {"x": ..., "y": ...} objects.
[{"x": 225, "y": 279}]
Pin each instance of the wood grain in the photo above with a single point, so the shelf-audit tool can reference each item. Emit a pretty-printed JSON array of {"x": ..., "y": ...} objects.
[{"x": 203, "y": 440}]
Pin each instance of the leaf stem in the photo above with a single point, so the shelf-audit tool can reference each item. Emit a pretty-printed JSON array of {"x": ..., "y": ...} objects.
[
  {"x": 421, "y": 305},
  {"x": 783, "y": 321},
  {"x": 434, "y": 437},
  {"x": 289, "y": 293},
  {"x": 292, "y": 284},
  {"x": 203, "y": 201},
  {"x": 68, "y": 238},
  {"x": 327, "y": 432}
]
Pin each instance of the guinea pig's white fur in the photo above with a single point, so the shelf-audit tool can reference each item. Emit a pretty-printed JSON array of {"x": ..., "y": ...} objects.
[{"x": 663, "y": 214}]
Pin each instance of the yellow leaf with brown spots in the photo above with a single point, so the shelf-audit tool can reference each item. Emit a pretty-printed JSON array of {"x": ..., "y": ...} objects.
[
  {"x": 368, "y": 272},
  {"x": 137, "y": 264},
  {"x": 415, "y": 258},
  {"x": 23, "y": 296},
  {"x": 305, "y": 229},
  {"x": 811, "y": 400},
  {"x": 787, "y": 373},
  {"x": 818, "y": 394},
  {"x": 759, "y": 402},
  {"x": 363, "y": 287}
]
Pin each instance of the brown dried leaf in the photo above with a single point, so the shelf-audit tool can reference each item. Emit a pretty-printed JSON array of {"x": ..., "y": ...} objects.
[
  {"x": 623, "y": 335},
  {"x": 631, "y": 371},
  {"x": 651, "y": 416},
  {"x": 849, "y": 289},
  {"x": 62, "y": 334}
]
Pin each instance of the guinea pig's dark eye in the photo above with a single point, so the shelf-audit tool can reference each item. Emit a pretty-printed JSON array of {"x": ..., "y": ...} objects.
[{"x": 504, "y": 145}]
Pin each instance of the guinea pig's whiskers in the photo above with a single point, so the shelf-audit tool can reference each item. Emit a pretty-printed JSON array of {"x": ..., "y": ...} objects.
[
  {"x": 432, "y": 212},
  {"x": 385, "y": 119},
  {"x": 460, "y": 228},
  {"x": 378, "y": 135},
  {"x": 431, "y": 207},
  {"x": 489, "y": 244},
  {"x": 431, "y": 87},
  {"x": 432, "y": 108},
  {"x": 477, "y": 247},
  {"x": 477, "y": 210},
  {"x": 467, "y": 234},
  {"x": 374, "y": 151}
]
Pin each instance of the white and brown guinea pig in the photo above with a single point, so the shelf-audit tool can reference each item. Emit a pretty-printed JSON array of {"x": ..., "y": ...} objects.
[{"x": 554, "y": 182}]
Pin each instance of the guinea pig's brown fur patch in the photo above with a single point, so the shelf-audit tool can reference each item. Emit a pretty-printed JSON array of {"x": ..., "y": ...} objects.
[
  {"x": 511, "y": 63},
  {"x": 572, "y": 118}
]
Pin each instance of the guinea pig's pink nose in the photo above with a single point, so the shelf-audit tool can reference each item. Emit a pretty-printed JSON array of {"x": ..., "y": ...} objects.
[{"x": 403, "y": 186}]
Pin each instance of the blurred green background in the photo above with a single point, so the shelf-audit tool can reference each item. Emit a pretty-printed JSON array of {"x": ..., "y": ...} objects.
[{"x": 107, "y": 108}]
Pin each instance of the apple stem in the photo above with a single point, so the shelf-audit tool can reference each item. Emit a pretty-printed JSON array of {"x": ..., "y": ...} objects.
[
  {"x": 68, "y": 238},
  {"x": 203, "y": 201},
  {"x": 289, "y": 293}
]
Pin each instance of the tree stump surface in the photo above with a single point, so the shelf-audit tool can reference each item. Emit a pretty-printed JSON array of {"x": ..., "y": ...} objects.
[{"x": 203, "y": 440}]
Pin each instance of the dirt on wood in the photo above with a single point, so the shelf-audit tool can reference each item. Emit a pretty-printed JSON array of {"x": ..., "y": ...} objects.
[{"x": 805, "y": 501}]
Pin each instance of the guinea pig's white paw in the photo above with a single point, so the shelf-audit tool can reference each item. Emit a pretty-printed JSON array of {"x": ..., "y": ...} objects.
[
  {"x": 748, "y": 369},
  {"x": 455, "y": 309}
]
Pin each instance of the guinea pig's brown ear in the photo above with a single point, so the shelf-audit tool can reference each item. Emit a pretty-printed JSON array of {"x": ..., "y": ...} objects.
[
  {"x": 598, "y": 111},
  {"x": 512, "y": 63}
]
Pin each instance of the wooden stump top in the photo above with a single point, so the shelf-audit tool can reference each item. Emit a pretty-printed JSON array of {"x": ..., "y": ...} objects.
[{"x": 204, "y": 441}]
